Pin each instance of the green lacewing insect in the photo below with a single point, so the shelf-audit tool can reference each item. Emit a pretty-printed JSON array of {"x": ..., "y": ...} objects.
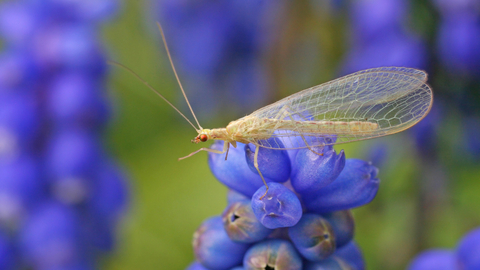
[{"x": 364, "y": 105}]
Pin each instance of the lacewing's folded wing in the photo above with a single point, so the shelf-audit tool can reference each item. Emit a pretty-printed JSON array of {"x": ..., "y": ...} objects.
[{"x": 364, "y": 105}]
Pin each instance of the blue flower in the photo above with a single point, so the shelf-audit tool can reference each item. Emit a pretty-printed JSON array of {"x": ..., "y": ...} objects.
[
  {"x": 313, "y": 237},
  {"x": 21, "y": 187},
  {"x": 218, "y": 46},
  {"x": 214, "y": 249},
  {"x": 196, "y": 266},
  {"x": 276, "y": 164},
  {"x": 75, "y": 99},
  {"x": 7, "y": 255},
  {"x": 435, "y": 259},
  {"x": 300, "y": 211},
  {"x": 107, "y": 204},
  {"x": 16, "y": 72},
  {"x": 468, "y": 250},
  {"x": 370, "y": 19},
  {"x": 347, "y": 257},
  {"x": 356, "y": 185},
  {"x": 273, "y": 253},
  {"x": 394, "y": 48},
  {"x": 61, "y": 198},
  {"x": 51, "y": 237},
  {"x": 343, "y": 226},
  {"x": 79, "y": 10},
  {"x": 234, "y": 196},
  {"x": 19, "y": 123},
  {"x": 72, "y": 159},
  {"x": 465, "y": 256},
  {"x": 311, "y": 171},
  {"x": 241, "y": 224},
  {"x": 279, "y": 208},
  {"x": 380, "y": 39},
  {"x": 71, "y": 46},
  {"x": 448, "y": 7},
  {"x": 352, "y": 254},
  {"x": 458, "y": 43},
  {"x": 17, "y": 22},
  {"x": 234, "y": 172}
]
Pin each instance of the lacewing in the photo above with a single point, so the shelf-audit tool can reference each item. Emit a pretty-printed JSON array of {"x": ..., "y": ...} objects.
[{"x": 363, "y": 105}]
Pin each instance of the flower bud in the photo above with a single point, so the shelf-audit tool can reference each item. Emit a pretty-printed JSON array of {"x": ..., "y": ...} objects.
[
  {"x": 234, "y": 172},
  {"x": 356, "y": 185},
  {"x": 312, "y": 171},
  {"x": 272, "y": 254},
  {"x": 351, "y": 254},
  {"x": 274, "y": 164},
  {"x": 343, "y": 226},
  {"x": 241, "y": 224},
  {"x": 214, "y": 249},
  {"x": 313, "y": 237},
  {"x": 279, "y": 208}
]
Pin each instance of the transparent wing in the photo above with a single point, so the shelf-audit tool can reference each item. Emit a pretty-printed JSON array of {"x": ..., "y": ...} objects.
[{"x": 392, "y": 99}]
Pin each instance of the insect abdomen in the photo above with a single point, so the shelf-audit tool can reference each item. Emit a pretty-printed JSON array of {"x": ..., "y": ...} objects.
[{"x": 325, "y": 127}]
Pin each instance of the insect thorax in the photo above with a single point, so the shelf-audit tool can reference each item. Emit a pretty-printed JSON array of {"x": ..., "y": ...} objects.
[{"x": 246, "y": 129}]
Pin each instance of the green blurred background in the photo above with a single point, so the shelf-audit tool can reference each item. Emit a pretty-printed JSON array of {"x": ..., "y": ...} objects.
[{"x": 171, "y": 198}]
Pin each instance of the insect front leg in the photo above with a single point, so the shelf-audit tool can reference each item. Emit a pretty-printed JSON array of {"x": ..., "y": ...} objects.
[
  {"x": 225, "y": 148},
  {"x": 255, "y": 163},
  {"x": 285, "y": 112}
]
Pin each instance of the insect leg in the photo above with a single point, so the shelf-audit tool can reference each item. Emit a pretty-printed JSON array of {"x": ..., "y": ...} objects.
[
  {"x": 228, "y": 148},
  {"x": 225, "y": 148},
  {"x": 255, "y": 163},
  {"x": 284, "y": 112}
]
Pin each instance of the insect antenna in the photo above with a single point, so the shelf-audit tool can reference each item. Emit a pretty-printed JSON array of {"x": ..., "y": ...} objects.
[
  {"x": 151, "y": 88},
  {"x": 176, "y": 75}
]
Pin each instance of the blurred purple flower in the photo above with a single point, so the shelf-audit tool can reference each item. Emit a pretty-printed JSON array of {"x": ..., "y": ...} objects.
[
  {"x": 458, "y": 43},
  {"x": 218, "y": 46},
  {"x": 465, "y": 257},
  {"x": 371, "y": 19},
  {"x": 60, "y": 201},
  {"x": 436, "y": 259},
  {"x": 7, "y": 255},
  {"x": 380, "y": 38},
  {"x": 52, "y": 237},
  {"x": 468, "y": 250},
  {"x": 393, "y": 48},
  {"x": 448, "y": 7}
]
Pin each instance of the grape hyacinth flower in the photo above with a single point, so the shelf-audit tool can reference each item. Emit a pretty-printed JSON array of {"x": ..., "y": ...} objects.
[
  {"x": 220, "y": 47},
  {"x": 61, "y": 196},
  {"x": 466, "y": 256},
  {"x": 380, "y": 38},
  {"x": 303, "y": 222},
  {"x": 458, "y": 36}
]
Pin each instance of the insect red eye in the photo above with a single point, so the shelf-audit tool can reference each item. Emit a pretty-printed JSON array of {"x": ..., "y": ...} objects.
[{"x": 203, "y": 137}]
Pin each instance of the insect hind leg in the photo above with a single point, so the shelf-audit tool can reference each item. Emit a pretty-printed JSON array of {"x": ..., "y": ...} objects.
[{"x": 255, "y": 163}]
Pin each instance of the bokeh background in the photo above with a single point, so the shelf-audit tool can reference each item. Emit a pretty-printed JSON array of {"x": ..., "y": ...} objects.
[{"x": 236, "y": 56}]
